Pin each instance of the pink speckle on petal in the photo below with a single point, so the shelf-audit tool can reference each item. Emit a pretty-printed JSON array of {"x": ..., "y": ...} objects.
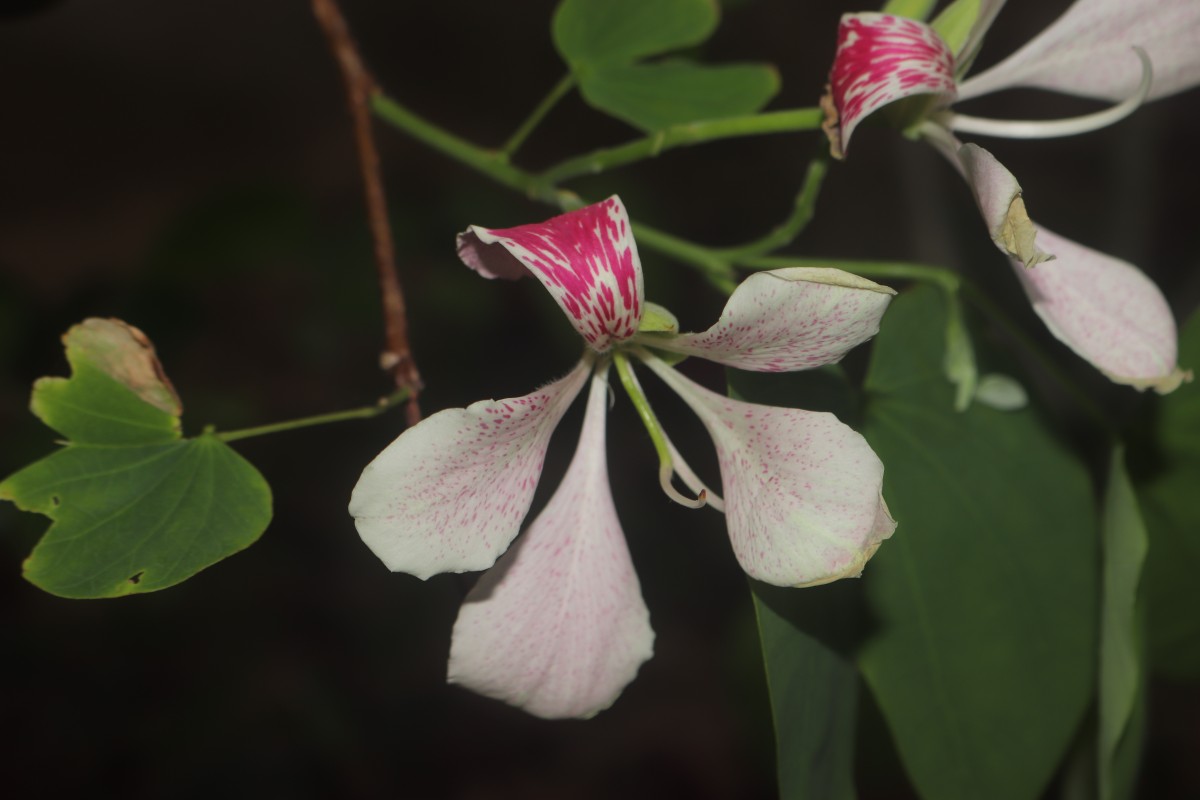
[
  {"x": 587, "y": 260},
  {"x": 881, "y": 59}
]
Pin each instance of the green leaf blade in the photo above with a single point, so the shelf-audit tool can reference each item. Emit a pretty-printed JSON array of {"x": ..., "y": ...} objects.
[
  {"x": 589, "y": 33},
  {"x": 989, "y": 580},
  {"x": 139, "y": 518},
  {"x": 813, "y": 690},
  {"x": 91, "y": 407},
  {"x": 134, "y": 507},
  {"x": 652, "y": 97},
  {"x": 1122, "y": 658}
]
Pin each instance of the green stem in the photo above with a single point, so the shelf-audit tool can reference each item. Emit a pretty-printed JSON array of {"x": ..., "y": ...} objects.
[
  {"x": 548, "y": 102},
  {"x": 800, "y": 119},
  {"x": 718, "y": 271},
  {"x": 790, "y": 228},
  {"x": 366, "y": 412},
  {"x": 489, "y": 162}
]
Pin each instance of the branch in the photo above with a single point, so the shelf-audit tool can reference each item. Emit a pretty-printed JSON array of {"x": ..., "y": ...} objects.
[{"x": 360, "y": 87}]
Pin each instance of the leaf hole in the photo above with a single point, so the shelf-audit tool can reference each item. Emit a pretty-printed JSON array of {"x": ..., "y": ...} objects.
[{"x": 135, "y": 579}]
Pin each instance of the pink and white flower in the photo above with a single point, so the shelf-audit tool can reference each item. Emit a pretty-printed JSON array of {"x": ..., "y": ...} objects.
[
  {"x": 1104, "y": 309},
  {"x": 558, "y": 626}
]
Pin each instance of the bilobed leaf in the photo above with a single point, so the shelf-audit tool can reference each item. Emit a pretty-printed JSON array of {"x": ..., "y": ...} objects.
[
  {"x": 657, "y": 96},
  {"x": 590, "y": 33},
  {"x": 602, "y": 41},
  {"x": 1172, "y": 517},
  {"x": 984, "y": 659},
  {"x": 135, "y": 507},
  {"x": 1122, "y": 657}
]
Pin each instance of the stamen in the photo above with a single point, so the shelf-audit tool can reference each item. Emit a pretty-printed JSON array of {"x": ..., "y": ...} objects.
[
  {"x": 665, "y": 450},
  {"x": 665, "y": 471},
  {"x": 690, "y": 479},
  {"x": 1051, "y": 129}
]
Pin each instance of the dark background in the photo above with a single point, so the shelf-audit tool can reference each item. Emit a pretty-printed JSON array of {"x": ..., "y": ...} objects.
[{"x": 188, "y": 167}]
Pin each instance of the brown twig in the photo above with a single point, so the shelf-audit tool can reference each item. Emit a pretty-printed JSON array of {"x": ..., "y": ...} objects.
[{"x": 360, "y": 86}]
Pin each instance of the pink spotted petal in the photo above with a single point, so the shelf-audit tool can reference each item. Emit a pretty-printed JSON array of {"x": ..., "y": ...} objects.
[
  {"x": 449, "y": 495},
  {"x": 787, "y": 319},
  {"x": 1107, "y": 311},
  {"x": 558, "y": 626},
  {"x": 881, "y": 59},
  {"x": 586, "y": 259},
  {"x": 1088, "y": 51},
  {"x": 1002, "y": 204},
  {"x": 803, "y": 492},
  {"x": 1104, "y": 309}
]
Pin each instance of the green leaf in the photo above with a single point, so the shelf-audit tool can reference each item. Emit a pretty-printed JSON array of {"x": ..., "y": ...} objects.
[
  {"x": 135, "y": 508},
  {"x": 1172, "y": 516},
  {"x": 590, "y": 33},
  {"x": 984, "y": 661},
  {"x": 137, "y": 518},
  {"x": 813, "y": 688},
  {"x": 656, "y": 96},
  {"x": 1122, "y": 676}
]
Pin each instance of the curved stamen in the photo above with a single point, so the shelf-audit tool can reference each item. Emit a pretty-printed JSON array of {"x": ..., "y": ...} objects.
[
  {"x": 1050, "y": 129},
  {"x": 692, "y": 481},
  {"x": 666, "y": 464},
  {"x": 665, "y": 472}
]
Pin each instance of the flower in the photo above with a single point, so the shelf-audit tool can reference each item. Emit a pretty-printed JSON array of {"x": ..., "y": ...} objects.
[
  {"x": 558, "y": 626},
  {"x": 1104, "y": 309}
]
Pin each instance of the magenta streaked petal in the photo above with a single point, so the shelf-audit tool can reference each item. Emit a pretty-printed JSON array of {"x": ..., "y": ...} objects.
[
  {"x": 1088, "y": 51},
  {"x": 881, "y": 59},
  {"x": 787, "y": 319},
  {"x": 450, "y": 493},
  {"x": 586, "y": 259},
  {"x": 803, "y": 497},
  {"x": 1107, "y": 311},
  {"x": 558, "y": 627}
]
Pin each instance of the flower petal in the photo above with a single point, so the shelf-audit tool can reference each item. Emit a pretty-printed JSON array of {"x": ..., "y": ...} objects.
[
  {"x": 558, "y": 627},
  {"x": 1108, "y": 312},
  {"x": 802, "y": 491},
  {"x": 450, "y": 493},
  {"x": 586, "y": 259},
  {"x": 880, "y": 59},
  {"x": 1088, "y": 51},
  {"x": 787, "y": 319},
  {"x": 1103, "y": 308},
  {"x": 998, "y": 196}
]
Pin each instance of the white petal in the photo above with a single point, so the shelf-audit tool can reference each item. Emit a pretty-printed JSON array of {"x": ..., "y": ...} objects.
[
  {"x": 1088, "y": 51},
  {"x": 586, "y": 259},
  {"x": 558, "y": 627},
  {"x": 802, "y": 491},
  {"x": 1107, "y": 311},
  {"x": 449, "y": 495},
  {"x": 787, "y": 319},
  {"x": 998, "y": 196}
]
